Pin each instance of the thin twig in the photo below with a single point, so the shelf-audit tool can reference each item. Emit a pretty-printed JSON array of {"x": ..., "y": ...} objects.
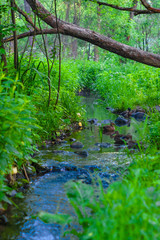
[
  {"x": 25, "y": 173},
  {"x": 59, "y": 38},
  {"x": 47, "y": 58}
]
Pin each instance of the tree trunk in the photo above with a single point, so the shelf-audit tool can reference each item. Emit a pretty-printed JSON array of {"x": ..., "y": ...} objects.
[
  {"x": 64, "y": 39},
  {"x": 15, "y": 36},
  {"x": 28, "y": 10},
  {"x": 96, "y": 50},
  {"x": 2, "y": 52},
  {"x": 74, "y": 44}
]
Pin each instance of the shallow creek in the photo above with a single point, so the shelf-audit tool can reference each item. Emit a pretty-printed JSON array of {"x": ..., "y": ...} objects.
[{"x": 47, "y": 192}]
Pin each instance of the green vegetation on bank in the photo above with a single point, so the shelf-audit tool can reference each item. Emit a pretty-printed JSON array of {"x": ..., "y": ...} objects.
[
  {"x": 121, "y": 85},
  {"x": 26, "y": 119},
  {"x": 17, "y": 125},
  {"x": 33, "y": 110},
  {"x": 128, "y": 209}
]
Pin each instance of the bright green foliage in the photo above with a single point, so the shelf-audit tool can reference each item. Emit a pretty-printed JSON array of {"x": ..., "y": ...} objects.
[
  {"x": 17, "y": 127},
  {"x": 129, "y": 209},
  {"x": 88, "y": 75},
  {"x": 69, "y": 75},
  {"x": 153, "y": 135},
  {"x": 57, "y": 119},
  {"x": 122, "y": 85},
  {"x": 53, "y": 119}
]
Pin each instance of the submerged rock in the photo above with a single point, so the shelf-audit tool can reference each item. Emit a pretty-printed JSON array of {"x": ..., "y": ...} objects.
[
  {"x": 82, "y": 153},
  {"x": 94, "y": 149},
  {"x": 92, "y": 168},
  {"x": 103, "y": 145},
  {"x": 67, "y": 167},
  {"x": 58, "y": 151},
  {"x": 122, "y": 122},
  {"x": 139, "y": 116},
  {"x": 92, "y": 121},
  {"x": 76, "y": 145},
  {"x": 106, "y": 121},
  {"x": 62, "y": 152}
]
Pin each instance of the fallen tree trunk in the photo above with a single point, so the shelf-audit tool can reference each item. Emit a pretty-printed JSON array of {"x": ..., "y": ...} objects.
[{"x": 95, "y": 38}]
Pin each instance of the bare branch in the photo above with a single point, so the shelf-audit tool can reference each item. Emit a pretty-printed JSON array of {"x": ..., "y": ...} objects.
[
  {"x": 149, "y": 8},
  {"x": 31, "y": 33},
  {"x": 28, "y": 19},
  {"x": 130, "y": 9}
]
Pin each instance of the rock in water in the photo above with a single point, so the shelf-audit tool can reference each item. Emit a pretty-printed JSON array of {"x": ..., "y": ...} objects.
[
  {"x": 103, "y": 145},
  {"x": 82, "y": 153},
  {"x": 92, "y": 121},
  {"x": 121, "y": 121},
  {"x": 139, "y": 116},
  {"x": 76, "y": 145}
]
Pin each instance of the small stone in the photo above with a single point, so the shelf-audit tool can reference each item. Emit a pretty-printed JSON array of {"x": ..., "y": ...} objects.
[
  {"x": 92, "y": 121},
  {"x": 12, "y": 193},
  {"x": 82, "y": 153},
  {"x": 3, "y": 219},
  {"x": 103, "y": 145},
  {"x": 72, "y": 139},
  {"x": 76, "y": 145}
]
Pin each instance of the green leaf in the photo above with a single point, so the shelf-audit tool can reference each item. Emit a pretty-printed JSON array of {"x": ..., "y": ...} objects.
[
  {"x": 2, "y": 51},
  {"x": 55, "y": 218}
]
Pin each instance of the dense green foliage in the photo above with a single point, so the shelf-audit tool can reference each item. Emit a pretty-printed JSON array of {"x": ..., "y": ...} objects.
[
  {"x": 121, "y": 85},
  {"x": 17, "y": 126},
  {"x": 129, "y": 209},
  {"x": 52, "y": 118},
  {"x": 25, "y": 117}
]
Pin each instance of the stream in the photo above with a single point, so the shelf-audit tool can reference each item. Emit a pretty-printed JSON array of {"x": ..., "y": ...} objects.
[{"x": 47, "y": 192}]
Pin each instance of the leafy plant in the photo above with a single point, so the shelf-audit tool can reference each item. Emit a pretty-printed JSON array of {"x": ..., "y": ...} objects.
[{"x": 17, "y": 129}]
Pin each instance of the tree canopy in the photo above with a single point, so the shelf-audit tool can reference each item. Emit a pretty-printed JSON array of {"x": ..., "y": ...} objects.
[{"x": 110, "y": 25}]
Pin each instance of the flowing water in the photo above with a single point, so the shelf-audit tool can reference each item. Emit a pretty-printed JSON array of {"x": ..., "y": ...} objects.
[{"x": 47, "y": 192}]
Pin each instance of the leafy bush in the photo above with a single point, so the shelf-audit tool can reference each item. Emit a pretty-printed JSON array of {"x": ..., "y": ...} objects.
[
  {"x": 88, "y": 72},
  {"x": 17, "y": 127},
  {"x": 121, "y": 85},
  {"x": 153, "y": 134},
  {"x": 55, "y": 119}
]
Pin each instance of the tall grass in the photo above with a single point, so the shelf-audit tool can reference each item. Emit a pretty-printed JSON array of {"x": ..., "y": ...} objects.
[{"x": 121, "y": 85}]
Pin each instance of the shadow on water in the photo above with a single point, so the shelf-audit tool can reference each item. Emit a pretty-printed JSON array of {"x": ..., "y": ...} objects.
[{"x": 47, "y": 192}]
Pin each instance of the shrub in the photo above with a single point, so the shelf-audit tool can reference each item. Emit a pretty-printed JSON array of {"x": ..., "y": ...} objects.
[{"x": 17, "y": 126}]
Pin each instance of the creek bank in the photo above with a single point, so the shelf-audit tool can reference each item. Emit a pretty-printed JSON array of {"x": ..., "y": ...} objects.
[
  {"x": 99, "y": 159},
  {"x": 19, "y": 181}
]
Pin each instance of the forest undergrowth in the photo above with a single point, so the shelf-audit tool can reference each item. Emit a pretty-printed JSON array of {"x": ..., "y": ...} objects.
[{"x": 129, "y": 208}]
